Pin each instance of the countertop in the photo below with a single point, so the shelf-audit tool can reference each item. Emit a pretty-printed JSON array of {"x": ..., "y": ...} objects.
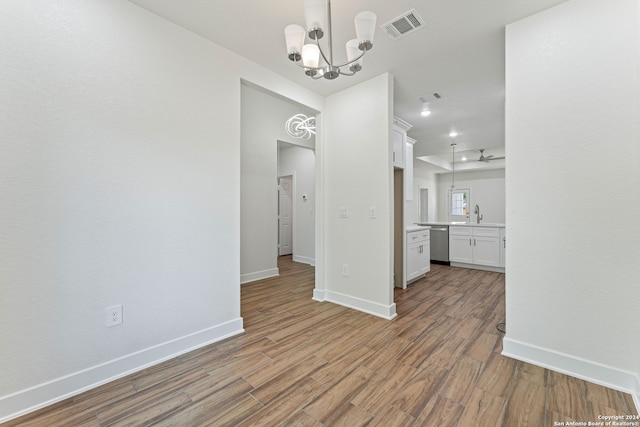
[
  {"x": 417, "y": 227},
  {"x": 468, "y": 224}
]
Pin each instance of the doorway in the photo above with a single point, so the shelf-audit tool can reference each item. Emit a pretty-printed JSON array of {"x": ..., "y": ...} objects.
[
  {"x": 285, "y": 215},
  {"x": 296, "y": 202},
  {"x": 265, "y": 157}
]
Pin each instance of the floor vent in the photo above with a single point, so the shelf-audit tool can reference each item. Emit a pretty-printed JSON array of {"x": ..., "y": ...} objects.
[{"x": 403, "y": 25}]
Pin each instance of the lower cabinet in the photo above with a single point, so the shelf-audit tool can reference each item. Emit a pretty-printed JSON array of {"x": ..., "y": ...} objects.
[
  {"x": 486, "y": 251},
  {"x": 460, "y": 249},
  {"x": 475, "y": 245},
  {"x": 418, "y": 253}
]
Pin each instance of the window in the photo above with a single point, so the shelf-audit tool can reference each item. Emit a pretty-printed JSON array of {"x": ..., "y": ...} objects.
[{"x": 459, "y": 205}]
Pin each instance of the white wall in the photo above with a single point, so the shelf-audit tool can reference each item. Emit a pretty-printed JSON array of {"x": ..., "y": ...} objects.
[
  {"x": 355, "y": 161},
  {"x": 300, "y": 162},
  {"x": 119, "y": 184},
  {"x": 573, "y": 278},
  {"x": 263, "y": 119},
  {"x": 487, "y": 191}
]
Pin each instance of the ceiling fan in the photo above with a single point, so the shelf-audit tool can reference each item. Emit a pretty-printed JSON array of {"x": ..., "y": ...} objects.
[{"x": 486, "y": 159}]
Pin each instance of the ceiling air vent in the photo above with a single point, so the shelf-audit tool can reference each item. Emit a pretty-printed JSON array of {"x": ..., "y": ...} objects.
[
  {"x": 403, "y": 25},
  {"x": 430, "y": 97}
]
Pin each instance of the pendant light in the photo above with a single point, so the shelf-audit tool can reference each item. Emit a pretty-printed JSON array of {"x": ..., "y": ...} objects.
[{"x": 453, "y": 165}]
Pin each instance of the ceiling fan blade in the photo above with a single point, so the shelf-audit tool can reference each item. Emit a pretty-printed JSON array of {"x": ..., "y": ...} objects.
[{"x": 488, "y": 158}]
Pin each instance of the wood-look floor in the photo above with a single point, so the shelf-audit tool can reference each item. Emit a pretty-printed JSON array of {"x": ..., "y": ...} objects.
[{"x": 305, "y": 363}]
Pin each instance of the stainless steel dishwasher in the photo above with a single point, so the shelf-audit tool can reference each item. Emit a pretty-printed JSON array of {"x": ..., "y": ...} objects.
[{"x": 439, "y": 244}]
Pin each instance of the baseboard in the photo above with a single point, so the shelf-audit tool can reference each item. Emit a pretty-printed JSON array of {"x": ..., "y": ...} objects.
[
  {"x": 587, "y": 370},
  {"x": 477, "y": 267},
  {"x": 366, "y": 306},
  {"x": 415, "y": 279},
  {"x": 319, "y": 295},
  {"x": 258, "y": 275},
  {"x": 34, "y": 398},
  {"x": 304, "y": 259}
]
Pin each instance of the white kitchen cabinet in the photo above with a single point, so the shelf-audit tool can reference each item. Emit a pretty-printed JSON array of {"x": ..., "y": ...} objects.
[
  {"x": 400, "y": 128},
  {"x": 418, "y": 253},
  {"x": 460, "y": 249},
  {"x": 408, "y": 168},
  {"x": 398, "y": 148},
  {"x": 486, "y": 251},
  {"x": 475, "y": 245}
]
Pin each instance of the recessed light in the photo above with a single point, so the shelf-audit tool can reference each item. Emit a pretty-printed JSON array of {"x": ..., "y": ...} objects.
[
  {"x": 464, "y": 159},
  {"x": 425, "y": 113},
  {"x": 453, "y": 134}
]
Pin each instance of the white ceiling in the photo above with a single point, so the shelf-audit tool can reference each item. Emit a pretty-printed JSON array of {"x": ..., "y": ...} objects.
[{"x": 459, "y": 54}]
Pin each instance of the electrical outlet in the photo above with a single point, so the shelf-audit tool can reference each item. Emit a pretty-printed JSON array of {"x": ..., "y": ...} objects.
[
  {"x": 344, "y": 212},
  {"x": 114, "y": 315},
  {"x": 345, "y": 269}
]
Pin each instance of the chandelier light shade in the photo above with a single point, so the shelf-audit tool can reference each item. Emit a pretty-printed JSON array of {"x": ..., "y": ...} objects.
[
  {"x": 365, "y": 27},
  {"x": 294, "y": 36},
  {"x": 353, "y": 55},
  {"x": 310, "y": 55},
  {"x": 317, "y": 61},
  {"x": 315, "y": 12}
]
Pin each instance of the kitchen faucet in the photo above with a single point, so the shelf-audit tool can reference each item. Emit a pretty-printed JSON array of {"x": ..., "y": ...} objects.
[{"x": 477, "y": 212}]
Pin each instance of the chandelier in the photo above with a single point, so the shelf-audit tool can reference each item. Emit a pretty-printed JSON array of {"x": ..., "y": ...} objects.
[
  {"x": 317, "y": 62},
  {"x": 301, "y": 126}
]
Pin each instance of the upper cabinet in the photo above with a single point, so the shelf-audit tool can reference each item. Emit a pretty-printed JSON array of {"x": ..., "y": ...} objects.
[
  {"x": 400, "y": 128},
  {"x": 398, "y": 148},
  {"x": 408, "y": 168}
]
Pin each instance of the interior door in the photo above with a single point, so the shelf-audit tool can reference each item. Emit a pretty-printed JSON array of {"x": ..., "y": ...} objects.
[{"x": 285, "y": 220}]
